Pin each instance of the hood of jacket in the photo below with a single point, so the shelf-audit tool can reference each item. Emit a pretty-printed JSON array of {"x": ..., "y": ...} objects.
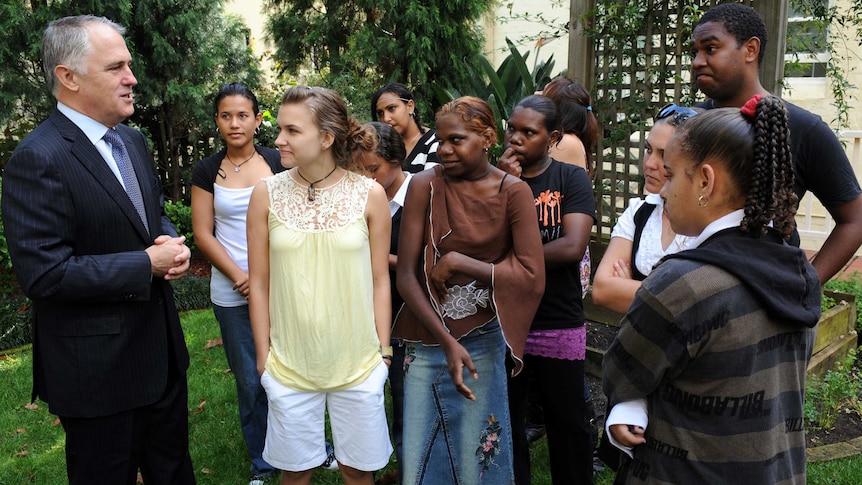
[{"x": 778, "y": 274}]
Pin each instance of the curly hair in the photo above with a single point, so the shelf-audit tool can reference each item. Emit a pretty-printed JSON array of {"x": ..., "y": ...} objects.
[
  {"x": 757, "y": 155},
  {"x": 741, "y": 21},
  {"x": 380, "y": 139}
]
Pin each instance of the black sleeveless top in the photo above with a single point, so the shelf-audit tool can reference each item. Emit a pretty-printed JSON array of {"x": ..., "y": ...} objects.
[{"x": 641, "y": 217}]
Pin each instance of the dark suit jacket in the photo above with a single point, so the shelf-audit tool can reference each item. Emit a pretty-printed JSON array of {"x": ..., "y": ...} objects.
[{"x": 104, "y": 330}]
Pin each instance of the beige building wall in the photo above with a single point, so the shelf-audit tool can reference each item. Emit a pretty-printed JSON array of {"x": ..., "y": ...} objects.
[
  {"x": 524, "y": 34},
  {"x": 250, "y": 11},
  {"x": 816, "y": 94}
]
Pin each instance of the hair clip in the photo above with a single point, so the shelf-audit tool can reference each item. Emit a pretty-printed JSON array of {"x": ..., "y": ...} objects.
[{"x": 750, "y": 107}]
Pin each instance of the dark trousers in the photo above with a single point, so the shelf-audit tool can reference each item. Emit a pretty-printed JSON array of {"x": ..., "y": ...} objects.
[
  {"x": 153, "y": 438},
  {"x": 559, "y": 386}
]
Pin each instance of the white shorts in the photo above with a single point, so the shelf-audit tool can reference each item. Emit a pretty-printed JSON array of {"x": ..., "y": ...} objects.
[{"x": 295, "y": 425}]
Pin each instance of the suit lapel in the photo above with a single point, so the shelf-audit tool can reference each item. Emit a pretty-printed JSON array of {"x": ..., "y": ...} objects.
[{"x": 90, "y": 158}]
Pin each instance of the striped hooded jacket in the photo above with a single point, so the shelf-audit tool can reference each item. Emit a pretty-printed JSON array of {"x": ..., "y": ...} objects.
[{"x": 717, "y": 341}]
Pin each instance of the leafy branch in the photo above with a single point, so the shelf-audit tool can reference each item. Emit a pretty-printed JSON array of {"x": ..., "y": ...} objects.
[{"x": 835, "y": 20}]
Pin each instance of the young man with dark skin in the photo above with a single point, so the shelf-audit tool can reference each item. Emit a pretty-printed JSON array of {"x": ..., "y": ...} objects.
[{"x": 727, "y": 48}]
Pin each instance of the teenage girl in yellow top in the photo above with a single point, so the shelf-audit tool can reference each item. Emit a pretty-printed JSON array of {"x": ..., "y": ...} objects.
[{"x": 319, "y": 295}]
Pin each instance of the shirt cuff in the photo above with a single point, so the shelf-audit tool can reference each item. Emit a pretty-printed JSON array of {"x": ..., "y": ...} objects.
[{"x": 630, "y": 412}]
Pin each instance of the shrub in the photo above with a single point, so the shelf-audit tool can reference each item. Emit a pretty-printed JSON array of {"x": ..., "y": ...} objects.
[
  {"x": 838, "y": 389},
  {"x": 181, "y": 215},
  {"x": 851, "y": 284},
  {"x": 826, "y": 302},
  {"x": 191, "y": 293},
  {"x": 8, "y": 285},
  {"x": 15, "y": 315}
]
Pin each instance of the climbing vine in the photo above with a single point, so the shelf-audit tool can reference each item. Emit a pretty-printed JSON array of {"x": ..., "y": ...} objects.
[{"x": 841, "y": 21}]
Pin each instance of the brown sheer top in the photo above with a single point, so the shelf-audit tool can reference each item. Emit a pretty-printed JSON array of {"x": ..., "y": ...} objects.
[{"x": 501, "y": 230}]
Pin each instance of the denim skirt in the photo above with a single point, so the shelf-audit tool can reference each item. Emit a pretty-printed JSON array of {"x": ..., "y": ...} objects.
[{"x": 447, "y": 437}]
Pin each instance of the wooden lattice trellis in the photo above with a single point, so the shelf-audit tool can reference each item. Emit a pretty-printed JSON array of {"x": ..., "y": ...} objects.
[{"x": 634, "y": 58}]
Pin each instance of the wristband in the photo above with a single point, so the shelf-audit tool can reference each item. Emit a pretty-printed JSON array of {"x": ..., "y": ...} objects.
[{"x": 386, "y": 351}]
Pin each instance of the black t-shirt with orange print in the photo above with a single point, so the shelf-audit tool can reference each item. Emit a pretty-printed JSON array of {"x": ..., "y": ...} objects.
[{"x": 561, "y": 189}]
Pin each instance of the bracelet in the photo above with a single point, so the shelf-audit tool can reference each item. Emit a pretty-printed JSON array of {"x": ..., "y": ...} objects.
[
  {"x": 386, "y": 351},
  {"x": 387, "y": 357}
]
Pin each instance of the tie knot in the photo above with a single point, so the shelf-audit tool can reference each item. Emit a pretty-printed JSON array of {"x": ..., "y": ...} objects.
[{"x": 112, "y": 136}]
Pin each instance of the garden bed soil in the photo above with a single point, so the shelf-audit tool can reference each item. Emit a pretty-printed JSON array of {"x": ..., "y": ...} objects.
[
  {"x": 199, "y": 266},
  {"x": 848, "y": 424}
]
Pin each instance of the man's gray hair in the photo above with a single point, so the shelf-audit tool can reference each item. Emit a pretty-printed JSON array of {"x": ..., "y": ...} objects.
[{"x": 66, "y": 42}]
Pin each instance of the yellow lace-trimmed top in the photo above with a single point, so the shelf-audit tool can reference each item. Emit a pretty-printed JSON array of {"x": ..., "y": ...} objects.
[{"x": 323, "y": 335}]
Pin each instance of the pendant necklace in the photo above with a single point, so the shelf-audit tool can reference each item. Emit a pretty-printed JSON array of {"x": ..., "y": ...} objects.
[
  {"x": 414, "y": 139},
  {"x": 235, "y": 166},
  {"x": 312, "y": 192}
]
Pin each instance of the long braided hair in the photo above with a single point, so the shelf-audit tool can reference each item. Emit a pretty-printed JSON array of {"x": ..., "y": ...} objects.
[{"x": 753, "y": 143}]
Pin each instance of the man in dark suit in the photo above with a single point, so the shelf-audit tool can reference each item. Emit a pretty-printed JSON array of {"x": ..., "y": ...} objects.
[{"x": 93, "y": 249}]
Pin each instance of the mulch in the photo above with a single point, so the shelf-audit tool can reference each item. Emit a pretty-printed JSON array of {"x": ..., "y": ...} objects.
[
  {"x": 199, "y": 266},
  {"x": 848, "y": 425}
]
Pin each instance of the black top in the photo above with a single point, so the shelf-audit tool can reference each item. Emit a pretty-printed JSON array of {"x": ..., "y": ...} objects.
[
  {"x": 641, "y": 217},
  {"x": 423, "y": 153},
  {"x": 205, "y": 172},
  {"x": 561, "y": 189},
  {"x": 820, "y": 163}
]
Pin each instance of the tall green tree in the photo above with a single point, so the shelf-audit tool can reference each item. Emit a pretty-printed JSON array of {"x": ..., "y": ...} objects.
[
  {"x": 186, "y": 50},
  {"x": 182, "y": 52},
  {"x": 25, "y": 98},
  {"x": 371, "y": 42}
]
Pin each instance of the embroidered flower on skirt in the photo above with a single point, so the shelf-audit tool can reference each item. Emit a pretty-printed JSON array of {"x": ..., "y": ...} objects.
[
  {"x": 409, "y": 357},
  {"x": 463, "y": 301},
  {"x": 489, "y": 444}
]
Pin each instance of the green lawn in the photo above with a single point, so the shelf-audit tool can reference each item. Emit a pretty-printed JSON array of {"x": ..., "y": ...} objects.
[{"x": 31, "y": 440}]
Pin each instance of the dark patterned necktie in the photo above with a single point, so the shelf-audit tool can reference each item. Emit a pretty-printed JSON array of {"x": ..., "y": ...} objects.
[{"x": 127, "y": 172}]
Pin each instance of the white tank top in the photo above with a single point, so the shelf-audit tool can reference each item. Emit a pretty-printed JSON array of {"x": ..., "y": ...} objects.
[{"x": 231, "y": 207}]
